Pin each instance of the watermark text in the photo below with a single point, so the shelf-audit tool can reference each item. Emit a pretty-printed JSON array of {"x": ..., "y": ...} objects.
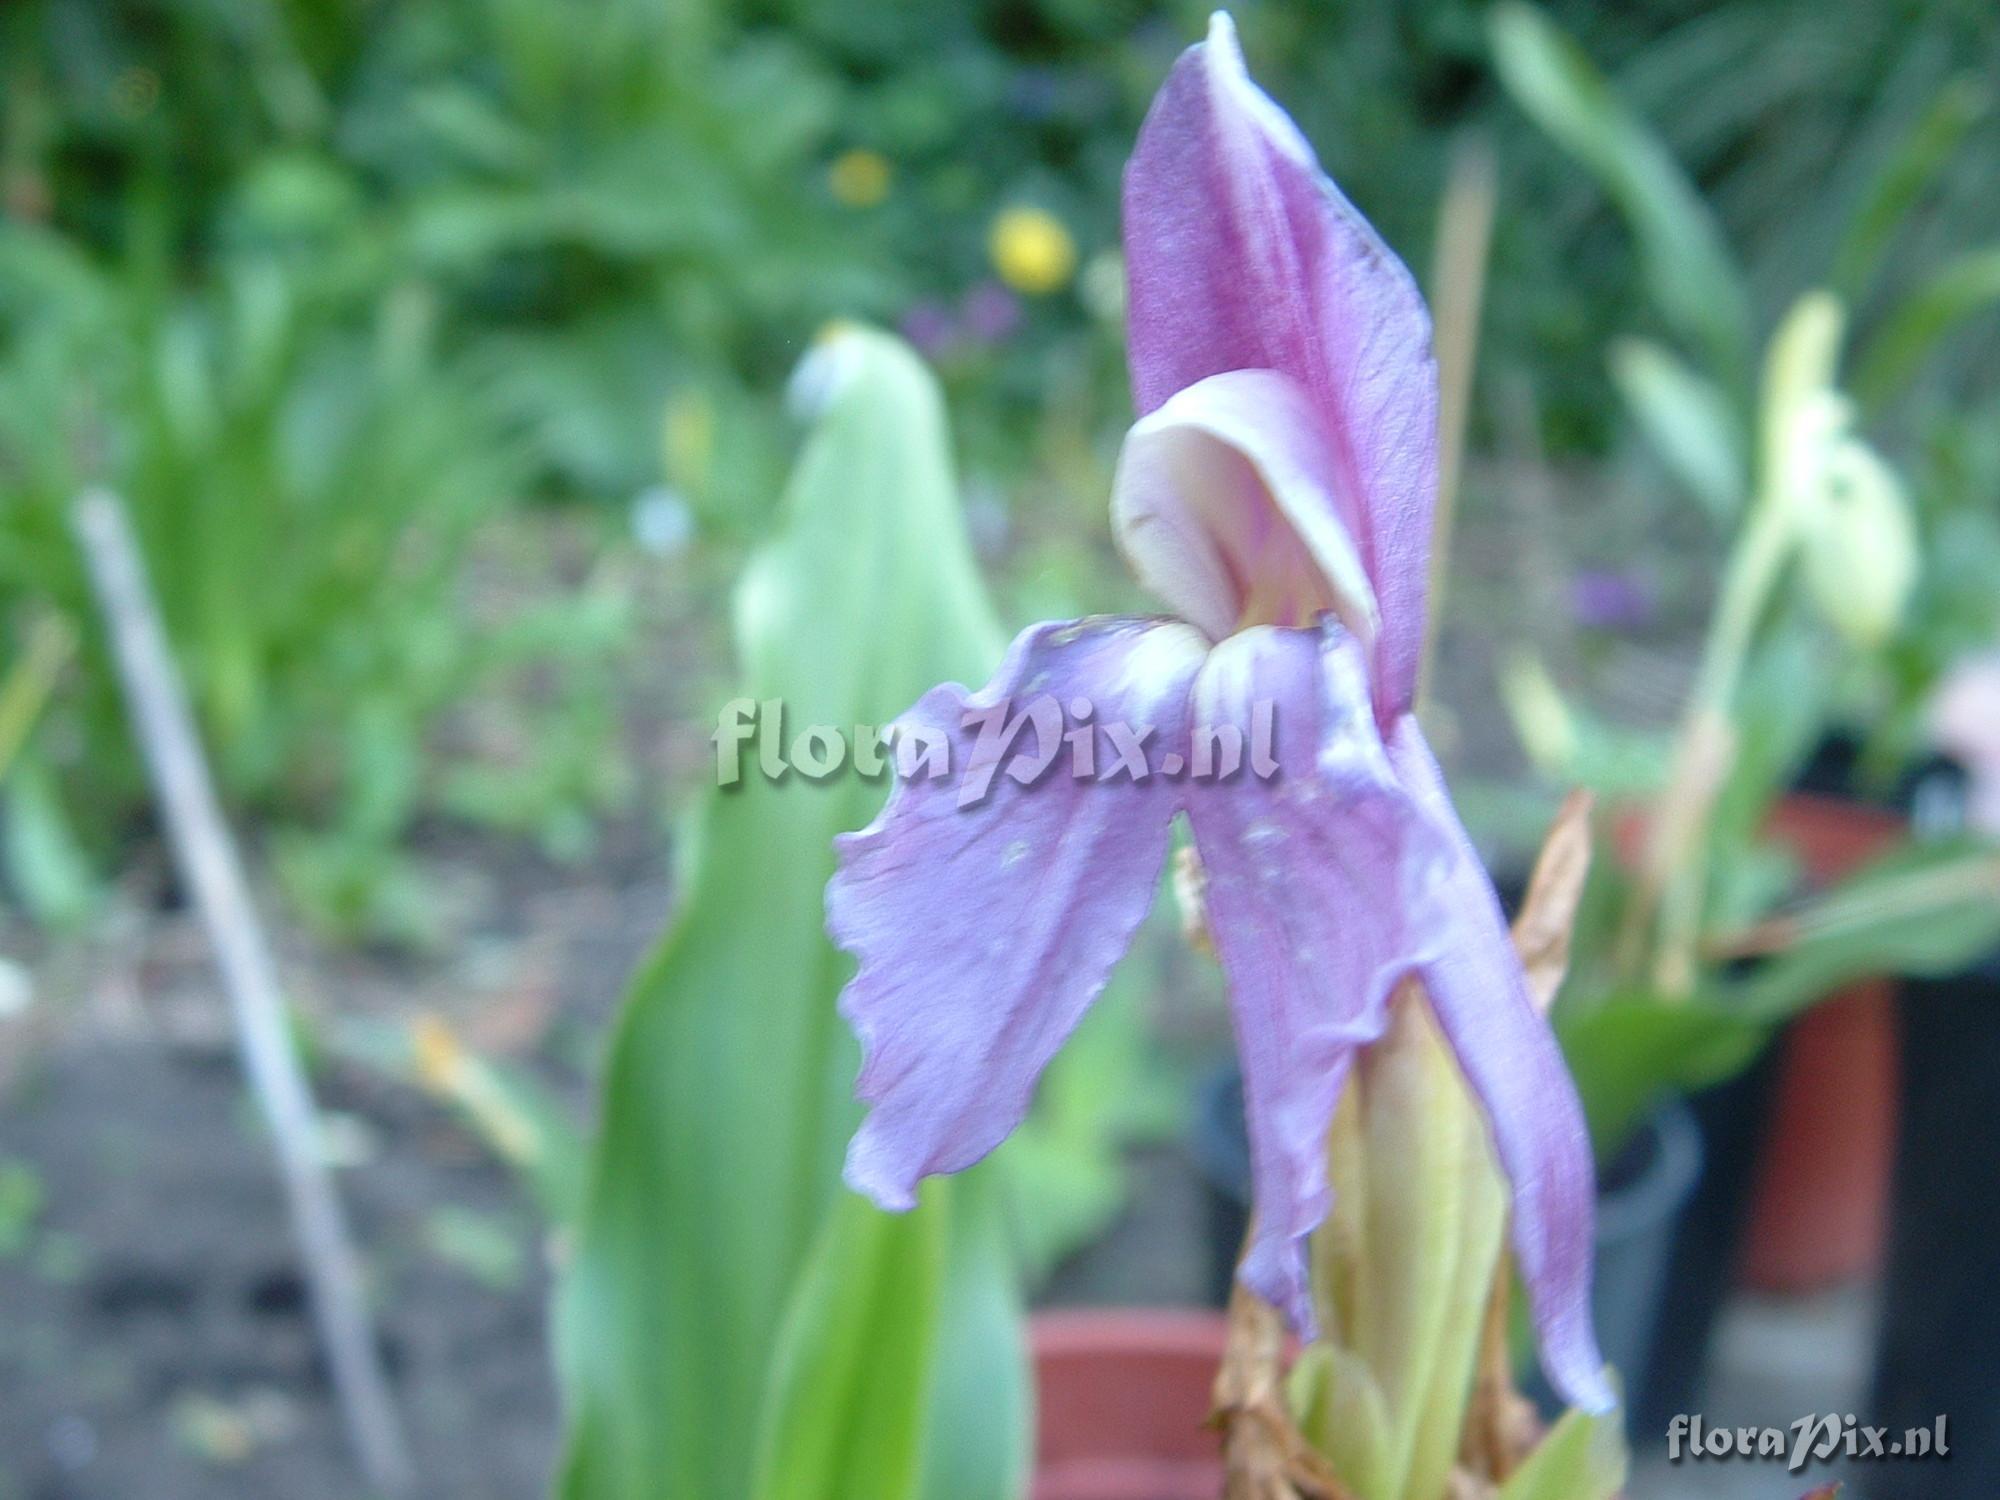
[{"x": 1024, "y": 742}]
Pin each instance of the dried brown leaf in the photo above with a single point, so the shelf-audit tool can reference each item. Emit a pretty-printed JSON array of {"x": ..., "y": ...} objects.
[
  {"x": 1548, "y": 911},
  {"x": 1265, "y": 1457},
  {"x": 1501, "y": 1425}
]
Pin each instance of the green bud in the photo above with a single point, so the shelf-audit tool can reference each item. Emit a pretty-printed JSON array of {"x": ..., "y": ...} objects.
[{"x": 1860, "y": 545}]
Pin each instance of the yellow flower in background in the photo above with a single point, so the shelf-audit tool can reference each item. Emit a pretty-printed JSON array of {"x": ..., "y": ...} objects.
[
  {"x": 436, "y": 1053},
  {"x": 860, "y": 178},
  {"x": 687, "y": 440},
  {"x": 1032, "y": 251}
]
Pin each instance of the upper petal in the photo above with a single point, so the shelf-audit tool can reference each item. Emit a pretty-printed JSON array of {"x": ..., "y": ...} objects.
[
  {"x": 1241, "y": 254},
  {"x": 988, "y": 912},
  {"x": 1227, "y": 505}
]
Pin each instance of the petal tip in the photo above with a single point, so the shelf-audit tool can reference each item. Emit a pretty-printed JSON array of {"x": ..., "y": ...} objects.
[
  {"x": 1275, "y": 1270},
  {"x": 866, "y": 1176},
  {"x": 1593, "y": 1396}
]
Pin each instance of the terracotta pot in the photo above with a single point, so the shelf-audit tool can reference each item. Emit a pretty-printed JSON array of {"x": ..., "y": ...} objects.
[
  {"x": 1819, "y": 1207},
  {"x": 1122, "y": 1400},
  {"x": 1833, "y": 837}
]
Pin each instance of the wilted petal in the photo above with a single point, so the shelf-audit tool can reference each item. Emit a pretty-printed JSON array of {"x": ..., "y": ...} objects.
[
  {"x": 1305, "y": 871},
  {"x": 984, "y": 931},
  {"x": 1226, "y": 503},
  {"x": 1328, "y": 884},
  {"x": 1510, "y": 1057},
  {"x": 1242, "y": 255}
]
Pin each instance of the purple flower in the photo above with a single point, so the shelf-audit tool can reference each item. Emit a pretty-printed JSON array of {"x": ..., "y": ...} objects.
[
  {"x": 1610, "y": 599},
  {"x": 1276, "y": 493},
  {"x": 991, "y": 312},
  {"x": 931, "y": 328}
]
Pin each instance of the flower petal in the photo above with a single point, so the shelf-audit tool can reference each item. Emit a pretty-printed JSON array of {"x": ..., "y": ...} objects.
[
  {"x": 1227, "y": 506},
  {"x": 1304, "y": 878},
  {"x": 1242, "y": 255},
  {"x": 988, "y": 905},
  {"x": 1327, "y": 885},
  {"x": 1510, "y": 1057}
]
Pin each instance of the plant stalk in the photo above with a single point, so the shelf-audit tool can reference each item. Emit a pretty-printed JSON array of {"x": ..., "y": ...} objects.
[{"x": 209, "y": 864}]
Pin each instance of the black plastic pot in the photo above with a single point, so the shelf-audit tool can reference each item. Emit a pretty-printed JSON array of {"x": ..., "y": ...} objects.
[
  {"x": 1939, "y": 1351},
  {"x": 1640, "y": 1197},
  {"x": 1219, "y": 1143},
  {"x": 1736, "y": 1117},
  {"x": 1700, "y": 1271}
]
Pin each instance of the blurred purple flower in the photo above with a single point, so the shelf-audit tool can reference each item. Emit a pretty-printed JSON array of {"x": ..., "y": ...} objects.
[
  {"x": 931, "y": 329},
  {"x": 1612, "y": 599},
  {"x": 991, "y": 312},
  {"x": 1276, "y": 492}
]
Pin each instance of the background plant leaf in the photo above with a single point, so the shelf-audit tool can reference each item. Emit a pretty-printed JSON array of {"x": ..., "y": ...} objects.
[
  {"x": 982, "y": 1402},
  {"x": 849, "y": 1392},
  {"x": 1688, "y": 266},
  {"x": 1924, "y": 152},
  {"x": 1922, "y": 911},
  {"x": 1688, "y": 420},
  {"x": 727, "y": 1101},
  {"x": 1890, "y": 360},
  {"x": 1633, "y": 1048},
  {"x": 1582, "y": 1458}
]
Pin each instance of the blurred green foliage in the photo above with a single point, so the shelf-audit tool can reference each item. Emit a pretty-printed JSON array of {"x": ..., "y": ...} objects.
[
  {"x": 1812, "y": 628},
  {"x": 330, "y": 287},
  {"x": 731, "y": 1321}
]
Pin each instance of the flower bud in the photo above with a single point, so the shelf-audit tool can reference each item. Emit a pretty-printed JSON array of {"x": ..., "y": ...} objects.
[{"x": 1859, "y": 544}]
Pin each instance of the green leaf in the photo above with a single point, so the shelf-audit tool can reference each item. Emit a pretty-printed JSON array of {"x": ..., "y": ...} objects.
[
  {"x": 982, "y": 1411},
  {"x": 1688, "y": 267},
  {"x": 1568, "y": 743},
  {"x": 1633, "y": 1048},
  {"x": 1342, "y": 1413},
  {"x": 29, "y": 682},
  {"x": 846, "y": 1413},
  {"x": 1891, "y": 358},
  {"x": 45, "y": 861},
  {"x": 1904, "y": 178},
  {"x": 1924, "y": 910},
  {"x": 1688, "y": 420},
  {"x": 726, "y": 1100},
  {"x": 1404, "y": 1269},
  {"x": 1582, "y": 1458}
]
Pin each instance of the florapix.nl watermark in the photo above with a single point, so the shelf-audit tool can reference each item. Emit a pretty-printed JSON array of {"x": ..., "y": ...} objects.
[
  {"x": 1820, "y": 1438},
  {"x": 1025, "y": 742}
]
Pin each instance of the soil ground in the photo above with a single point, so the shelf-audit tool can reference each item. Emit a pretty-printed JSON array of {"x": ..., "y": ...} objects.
[{"x": 154, "y": 1338}]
